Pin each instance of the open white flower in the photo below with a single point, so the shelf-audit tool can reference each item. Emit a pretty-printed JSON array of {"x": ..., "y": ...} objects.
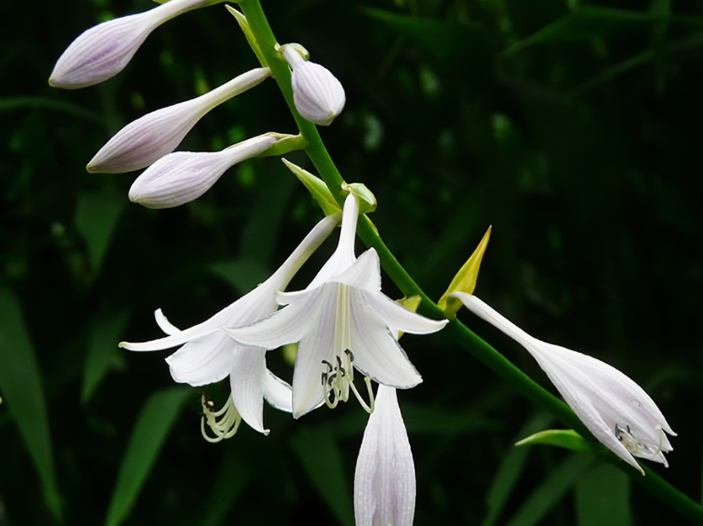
[
  {"x": 342, "y": 321},
  {"x": 613, "y": 407},
  {"x": 384, "y": 479},
  {"x": 104, "y": 50},
  {"x": 208, "y": 355},
  {"x": 318, "y": 95},
  {"x": 181, "y": 177},
  {"x": 158, "y": 133}
]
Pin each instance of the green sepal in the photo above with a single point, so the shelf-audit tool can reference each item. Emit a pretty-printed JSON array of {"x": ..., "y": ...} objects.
[
  {"x": 566, "y": 438},
  {"x": 465, "y": 279},
  {"x": 248, "y": 33},
  {"x": 367, "y": 201},
  {"x": 286, "y": 144},
  {"x": 316, "y": 187}
]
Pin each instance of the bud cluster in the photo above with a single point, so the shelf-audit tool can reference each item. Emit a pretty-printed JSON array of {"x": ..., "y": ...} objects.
[{"x": 173, "y": 179}]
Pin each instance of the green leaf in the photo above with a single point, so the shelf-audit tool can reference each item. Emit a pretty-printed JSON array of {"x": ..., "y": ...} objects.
[
  {"x": 260, "y": 234},
  {"x": 321, "y": 458},
  {"x": 566, "y": 438},
  {"x": 550, "y": 491},
  {"x": 105, "y": 333},
  {"x": 442, "y": 38},
  {"x": 21, "y": 385},
  {"x": 153, "y": 425},
  {"x": 509, "y": 472},
  {"x": 96, "y": 218},
  {"x": 232, "y": 479},
  {"x": 591, "y": 22},
  {"x": 603, "y": 497}
]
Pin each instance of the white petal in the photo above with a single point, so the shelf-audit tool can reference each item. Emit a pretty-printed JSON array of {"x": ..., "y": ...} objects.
[
  {"x": 384, "y": 479},
  {"x": 255, "y": 305},
  {"x": 278, "y": 393},
  {"x": 480, "y": 309},
  {"x": 364, "y": 274},
  {"x": 103, "y": 51},
  {"x": 344, "y": 255},
  {"x": 248, "y": 374},
  {"x": 144, "y": 141},
  {"x": 314, "y": 347},
  {"x": 181, "y": 177},
  {"x": 401, "y": 319},
  {"x": 288, "y": 325},
  {"x": 203, "y": 360},
  {"x": 164, "y": 324},
  {"x": 280, "y": 279},
  {"x": 376, "y": 352}
]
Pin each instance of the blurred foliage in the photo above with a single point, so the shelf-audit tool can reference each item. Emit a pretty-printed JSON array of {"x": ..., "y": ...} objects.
[{"x": 571, "y": 127}]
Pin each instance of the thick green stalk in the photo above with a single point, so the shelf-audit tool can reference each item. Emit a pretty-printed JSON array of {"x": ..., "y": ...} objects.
[{"x": 463, "y": 336}]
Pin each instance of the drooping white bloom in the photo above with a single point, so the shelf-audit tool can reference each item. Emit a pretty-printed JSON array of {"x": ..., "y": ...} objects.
[
  {"x": 104, "y": 50},
  {"x": 613, "y": 407},
  {"x": 342, "y": 321},
  {"x": 158, "y": 133},
  {"x": 318, "y": 95},
  {"x": 209, "y": 355},
  {"x": 181, "y": 177},
  {"x": 384, "y": 480}
]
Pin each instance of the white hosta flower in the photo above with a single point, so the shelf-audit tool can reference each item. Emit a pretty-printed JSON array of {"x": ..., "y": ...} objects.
[
  {"x": 342, "y": 321},
  {"x": 209, "y": 355},
  {"x": 614, "y": 408},
  {"x": 103, "y": 51},
  {"x": 318, "y": 95},
  {"x": 384, "y": 479},
  {"x": 158, "y": 133},
  {"x": 181, "y": 177}
]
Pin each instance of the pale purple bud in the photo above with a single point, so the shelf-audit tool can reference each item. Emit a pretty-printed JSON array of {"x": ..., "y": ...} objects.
[
  {"x": 156, "y": 134},
  {"x": 104, "y": 50},
  {"x": 318, "y": 95},
  {"x": 384, "y": 479},
  {"x": 181, "y": 177}
]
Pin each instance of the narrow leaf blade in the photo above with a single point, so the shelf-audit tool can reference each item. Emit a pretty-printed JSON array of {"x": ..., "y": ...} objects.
[{"x": 153, "y": 425}]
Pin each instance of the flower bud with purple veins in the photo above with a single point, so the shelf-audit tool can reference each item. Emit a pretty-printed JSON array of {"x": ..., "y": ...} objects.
[
  {"x": 104, "y": 50},
  {"x": 319, "y": 97},
  {"x": 181, "y": 177},
  {"x": 158, "y": 133}
]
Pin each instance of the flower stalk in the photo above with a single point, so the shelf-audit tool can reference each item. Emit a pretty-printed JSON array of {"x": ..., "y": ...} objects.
[{"x": 461, "y": 334}]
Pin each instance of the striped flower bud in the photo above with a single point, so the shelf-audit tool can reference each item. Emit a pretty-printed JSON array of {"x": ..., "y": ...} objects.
[
  {"x": 318, "y": 95},
  {"x": 156, "y": 134},
  {"x": 181, "y": 177},
  {"x": 104, "y": 50}
]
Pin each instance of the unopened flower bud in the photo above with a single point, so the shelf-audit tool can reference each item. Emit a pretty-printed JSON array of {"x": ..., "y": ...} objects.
[
  {"x": 156, "y": 134},
  {"x": 181, "y": 177},
  {"x": 103, "y": 51},
  {"x": 318, "y": 95},
  {"x": 384, "y": 479}
]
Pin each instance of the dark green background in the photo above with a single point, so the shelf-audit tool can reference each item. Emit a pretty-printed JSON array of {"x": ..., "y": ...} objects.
[{"x": 575, "y": 130}]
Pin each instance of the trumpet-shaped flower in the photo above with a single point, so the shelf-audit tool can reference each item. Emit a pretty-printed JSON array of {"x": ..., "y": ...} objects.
[
  {"x": 342, "y": 321},
  {"x": 613, "y": 407},
  {"x": 103, "y": 51},
  {"x": 318, "y": 95},
  {"x": 181, "y": 177},
  {"x": 208, "y": 355},
  {"x": 158, "y": 133},
  {"x": 384, "y": 479}
]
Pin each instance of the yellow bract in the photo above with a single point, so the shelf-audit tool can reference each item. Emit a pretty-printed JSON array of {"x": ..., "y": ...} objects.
[{"x": 465, "y": 279}]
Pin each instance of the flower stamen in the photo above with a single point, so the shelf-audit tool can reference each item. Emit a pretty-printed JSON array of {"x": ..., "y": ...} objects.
[
  {"x": 637, "y": 447},
  {"x": 224, "y": 423},
  {"x": 338, "y": 380}
]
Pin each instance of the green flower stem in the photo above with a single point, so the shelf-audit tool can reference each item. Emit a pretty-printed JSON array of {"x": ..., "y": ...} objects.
[{"x": 458, "y": 331}]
